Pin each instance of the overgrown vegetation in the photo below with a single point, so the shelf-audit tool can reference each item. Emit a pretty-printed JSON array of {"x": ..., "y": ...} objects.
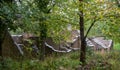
[
  {"x": 69, "y": 61},
  {"x": 50, "y": 18}
]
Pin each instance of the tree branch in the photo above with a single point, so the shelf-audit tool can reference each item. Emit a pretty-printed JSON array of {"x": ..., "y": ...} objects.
[
  {"x": 51, "y": 8},
  {"x": 90, "y": 28}
]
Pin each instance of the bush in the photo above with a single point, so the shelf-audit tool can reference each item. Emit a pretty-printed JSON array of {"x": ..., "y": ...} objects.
[{"x": 9, "y": 64}]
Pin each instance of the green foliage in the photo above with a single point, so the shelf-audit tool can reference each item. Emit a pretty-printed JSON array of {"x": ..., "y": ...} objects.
[
  {"x": 42, "y": 4},
  {"x": 8, "y": 15},
  {"x": 56, "y": 15},
  {"x": 9, "y": 64},
  {"x": 50, "y": 18},
  {"x": 69, "y": 61},
  {"x": 74, "y": 55},
  {"x": 117, "y": 46},
  {"x": 106, "y": 15}
]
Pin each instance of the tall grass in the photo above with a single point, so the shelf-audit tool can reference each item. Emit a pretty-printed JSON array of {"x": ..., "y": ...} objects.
[{"x": 69, "y": 61}]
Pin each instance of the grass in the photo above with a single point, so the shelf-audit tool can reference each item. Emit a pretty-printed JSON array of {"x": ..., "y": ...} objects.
[
  {"x": 55, "y": 62},
  {"x": 69, "y": 61},
  {"x": 117, "y": 46}
]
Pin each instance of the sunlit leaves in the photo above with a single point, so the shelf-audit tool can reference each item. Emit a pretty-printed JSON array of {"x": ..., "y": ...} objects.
[{"x": 66, "y": 12}]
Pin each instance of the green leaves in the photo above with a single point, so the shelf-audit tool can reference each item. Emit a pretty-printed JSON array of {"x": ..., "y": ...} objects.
[
  {"x": 8, "y": 15},
  {"x": 57, "y": 14}
]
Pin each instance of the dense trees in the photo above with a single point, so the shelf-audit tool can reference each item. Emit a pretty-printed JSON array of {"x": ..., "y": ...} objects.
[{"x": 49, "y": 18}]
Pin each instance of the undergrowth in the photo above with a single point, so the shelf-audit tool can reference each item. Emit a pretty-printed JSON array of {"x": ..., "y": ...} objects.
[
  {"x": 117, "y": 46},
  {"x": 69, "y": 61}
]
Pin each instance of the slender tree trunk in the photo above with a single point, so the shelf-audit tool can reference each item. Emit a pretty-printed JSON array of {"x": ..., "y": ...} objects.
[
  {"x": 83, "y": 42},
  {"x": 0, "y": 38},
  {"x": 2, "y": 35},
  {"x": 42, "y": 5},
  {"x": 42, "y": 50},
  {"x": 43, "y": 35}
]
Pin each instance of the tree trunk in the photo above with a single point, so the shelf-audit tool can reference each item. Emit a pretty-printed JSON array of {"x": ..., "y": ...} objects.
[
  {"x": 0, "y": 38},
  {"x": 2, "y": 34},
  {"x": 42, "y": 5},
  {"x": 83, "y": 42},
  {"x": 42, "y": 49},
  {"x": 43, "y": 35}
]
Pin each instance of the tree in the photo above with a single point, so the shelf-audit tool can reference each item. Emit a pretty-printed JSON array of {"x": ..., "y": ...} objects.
[
  {"x": 100, "y": 12},
  {"x": 82, "y": 37},
  {"x": 35, "y": 13},
  {"x": 3, "y": 21},
  {"x": 43, "y": 7},
  {"x": 45, "y": 19}
]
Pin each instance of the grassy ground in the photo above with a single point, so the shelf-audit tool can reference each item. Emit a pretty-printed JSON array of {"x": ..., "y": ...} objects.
[
  {"x": 69, "y": 61},
  {"x": 55, "y": 62},
  {"x": 117, "y": 46}
]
